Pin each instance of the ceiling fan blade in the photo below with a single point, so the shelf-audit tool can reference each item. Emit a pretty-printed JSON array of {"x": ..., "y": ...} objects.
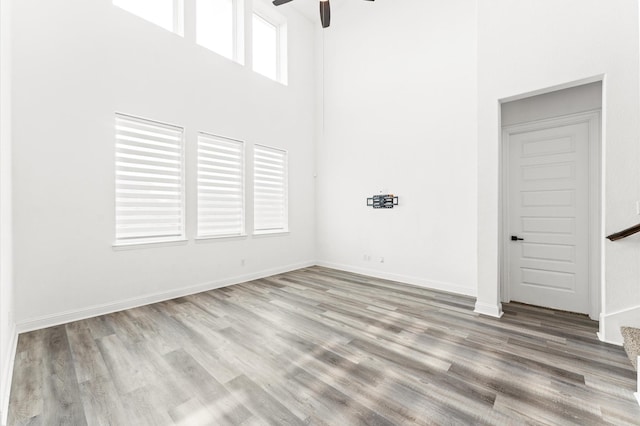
[
  {"x": 325, "y": 13},
  {"x": 279, "y": 2}
]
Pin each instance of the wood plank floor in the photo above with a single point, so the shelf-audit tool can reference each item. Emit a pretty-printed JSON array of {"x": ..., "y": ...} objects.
[{"x": 323, "y": 347}]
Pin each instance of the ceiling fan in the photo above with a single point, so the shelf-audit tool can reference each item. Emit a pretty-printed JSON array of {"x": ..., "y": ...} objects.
[{"x": 325, "y": 10}]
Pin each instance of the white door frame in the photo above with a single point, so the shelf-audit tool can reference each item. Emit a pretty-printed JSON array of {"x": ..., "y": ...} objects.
[{"x": 592, "y": 118}]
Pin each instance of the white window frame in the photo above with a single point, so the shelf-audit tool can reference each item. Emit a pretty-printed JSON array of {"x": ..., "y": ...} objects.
[
  {"x": 238, "y": 32},
  {"x": 242, "y": 172},
  {"x": 121, "y": 242},
  {"x": 269, "y": 15},
  {"x": 178, "y": 17},
  {"x": 285, "y": 228}
]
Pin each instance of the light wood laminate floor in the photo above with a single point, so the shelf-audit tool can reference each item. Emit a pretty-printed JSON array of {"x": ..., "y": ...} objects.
[{"x": 323, "y": 347}]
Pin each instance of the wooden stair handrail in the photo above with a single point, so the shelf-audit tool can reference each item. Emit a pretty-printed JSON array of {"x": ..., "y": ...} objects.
[{"x": 624, "y": 233}]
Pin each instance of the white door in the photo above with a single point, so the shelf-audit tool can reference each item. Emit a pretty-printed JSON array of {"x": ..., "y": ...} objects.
[{"x": 548, "y": 229}]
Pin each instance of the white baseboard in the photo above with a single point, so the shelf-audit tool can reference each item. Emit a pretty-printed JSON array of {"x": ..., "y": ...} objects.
[
  {"x": 107, "y": 308},
  {"x": 7, "y": 373},
  {"x": 489, "y": 309},
  {"x": 610, "y": 324},
  {"x": 419, "y": 282}
]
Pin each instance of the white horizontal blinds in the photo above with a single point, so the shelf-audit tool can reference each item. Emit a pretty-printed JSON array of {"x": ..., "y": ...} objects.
[
  {"x": 270, "y": 189},
  {"x": 149, "y": 181},
  {"x": 220, "y": 186}
]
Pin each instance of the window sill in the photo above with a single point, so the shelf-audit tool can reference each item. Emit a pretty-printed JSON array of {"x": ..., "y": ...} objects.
[
  {"x": 260, "y": 234},
  {"x": 149, "y": 244},
  {"x": 221, "y": 237}
]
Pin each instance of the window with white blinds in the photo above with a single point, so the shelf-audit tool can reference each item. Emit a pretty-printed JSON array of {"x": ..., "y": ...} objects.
[
  {"x": 220, "y": 187},
  {"x": 149, "y": 181},
  {"x": 270, "y": 190}
]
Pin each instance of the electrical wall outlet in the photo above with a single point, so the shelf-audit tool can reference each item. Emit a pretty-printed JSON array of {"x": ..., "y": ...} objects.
[{"x": 638, "y": 207}]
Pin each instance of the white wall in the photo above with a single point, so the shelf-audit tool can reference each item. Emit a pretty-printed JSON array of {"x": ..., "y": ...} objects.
[
  {"x": 400, "y": 116},
  {"x": 528, "y": 46},
  {"x": 77, "y": 62},
  {"x": 7, "y": 329}
]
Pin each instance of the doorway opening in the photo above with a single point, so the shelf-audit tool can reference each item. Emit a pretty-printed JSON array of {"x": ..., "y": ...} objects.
[{"x": 551, "y": 203}]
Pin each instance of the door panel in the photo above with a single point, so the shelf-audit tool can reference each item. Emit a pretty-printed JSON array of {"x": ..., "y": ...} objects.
[{"x": 548, "y": 208}]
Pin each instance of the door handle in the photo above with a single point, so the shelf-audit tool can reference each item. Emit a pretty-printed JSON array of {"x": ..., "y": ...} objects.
[{"x": 515, "y": 238}]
